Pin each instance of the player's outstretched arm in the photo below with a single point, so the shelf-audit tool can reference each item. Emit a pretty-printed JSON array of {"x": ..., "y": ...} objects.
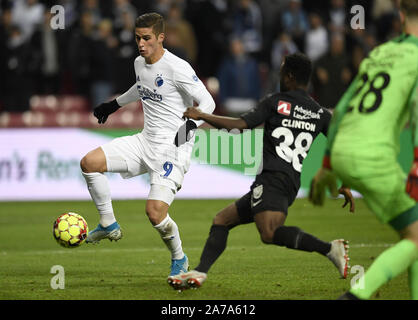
[
  {"x": 105, "y": 109},
  {"x": 219, "y": 122}
]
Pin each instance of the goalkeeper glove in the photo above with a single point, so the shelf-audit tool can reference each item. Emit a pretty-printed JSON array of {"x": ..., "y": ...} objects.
[
  {"x": 105, "y": 109},
  {"x": 412, "y": 183},
  {"x": 185, "y": 133}
]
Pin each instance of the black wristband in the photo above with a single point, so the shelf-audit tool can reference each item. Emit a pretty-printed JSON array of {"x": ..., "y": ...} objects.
[{"x": 114, "y": 104}]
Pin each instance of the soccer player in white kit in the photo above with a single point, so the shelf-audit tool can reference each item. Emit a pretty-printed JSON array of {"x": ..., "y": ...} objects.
[{"x": 167, "y": 85}]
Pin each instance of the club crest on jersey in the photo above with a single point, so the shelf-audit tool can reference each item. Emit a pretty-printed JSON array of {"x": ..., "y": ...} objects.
[
  {"x": 256, "y": 195},
  {"x": 159, "y": 81},
  {"x": 257, "y": 192},
  {"x": 284, "y": 108}
]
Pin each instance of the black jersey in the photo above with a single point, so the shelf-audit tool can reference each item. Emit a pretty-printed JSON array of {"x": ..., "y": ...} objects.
[{"x": 292, "y": 120}]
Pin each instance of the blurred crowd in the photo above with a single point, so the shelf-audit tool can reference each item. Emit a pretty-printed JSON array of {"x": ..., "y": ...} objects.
[{"x": 237, "y": 44}]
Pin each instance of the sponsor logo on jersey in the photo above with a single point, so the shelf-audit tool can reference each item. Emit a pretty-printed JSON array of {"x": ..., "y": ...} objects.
[
  {"x": 284, "y": 108},
  {"x": 146, "y": 94},
  {"x": 298, "y": 124},
  {"x": 195, "y": 78},
  {"x": 159, "y": 81},
  {"x": 303, "y": 114}
]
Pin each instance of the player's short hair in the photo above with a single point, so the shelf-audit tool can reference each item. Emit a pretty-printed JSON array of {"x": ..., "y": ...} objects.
[
  {"x": 300, "y": 66},
  {"x": 151, "y": 20},
  {"x": 410, "y": 8}
]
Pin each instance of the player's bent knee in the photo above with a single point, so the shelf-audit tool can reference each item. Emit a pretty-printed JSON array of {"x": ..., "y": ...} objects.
[
  {"x": 93, "y": 162},
  {"x": 266, "y": 237},
  {"x": 413, "y": 238},
  {"x": 85, "y": 165},
  {"x": 219, "y": 220},
  {"x": 154, "y": 215},
  {"x": 411, "y": 233},
  {"x": 156, "y": 212}
]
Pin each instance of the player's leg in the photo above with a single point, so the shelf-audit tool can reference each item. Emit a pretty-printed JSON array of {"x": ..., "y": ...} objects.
[
  {"x": 157, "y": 212},
  {"x": 120, "y": 155},
  {"x": 411, "y": 233},
  {"x": 215, "y": 245},
  {"x": 270, "y": 225},
  {"x": 388, "y": 265},
  {"x": 93, "y": 165},
  {"x": 159, "y": 200},
  {"x": 224, "y": 221},
  {"x": 271, "y": 196},
  {"x": 384, "y": 193},
  {"x": 166, "y": 166}
]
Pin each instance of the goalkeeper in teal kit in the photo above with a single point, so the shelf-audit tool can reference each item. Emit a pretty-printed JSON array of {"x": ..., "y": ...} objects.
[{"x": 363, "y": 145}]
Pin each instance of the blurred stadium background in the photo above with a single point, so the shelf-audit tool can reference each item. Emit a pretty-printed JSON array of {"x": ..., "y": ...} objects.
[{"x": 52, "y": 79}]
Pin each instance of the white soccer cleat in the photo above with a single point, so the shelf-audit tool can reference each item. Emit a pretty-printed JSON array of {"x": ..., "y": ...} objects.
[
  {"x": 112, "y": 232},
  {"x": 339, "y": 256},
  {"x": 178, "y": 282},
  {"x": 192, "y": 279},
  {"x": 196, "y": 279}
]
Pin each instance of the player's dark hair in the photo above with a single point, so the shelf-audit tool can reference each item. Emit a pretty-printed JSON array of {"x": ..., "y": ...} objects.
[
  {"x": 410, "y": 7},
  {"x": 300, "y": 66},
  {"x": 151, "y": 20}
]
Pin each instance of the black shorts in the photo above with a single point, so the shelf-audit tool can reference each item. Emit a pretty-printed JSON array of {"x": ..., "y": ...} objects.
[{"x": 273, "y": 191}]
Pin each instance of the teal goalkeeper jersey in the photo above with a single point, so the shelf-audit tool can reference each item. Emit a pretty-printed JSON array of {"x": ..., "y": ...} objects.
[{"x": 369, "y": 118}]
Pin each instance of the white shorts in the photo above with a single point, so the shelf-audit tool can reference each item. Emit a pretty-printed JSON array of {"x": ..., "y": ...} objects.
[{"x": 165, "y": 163}]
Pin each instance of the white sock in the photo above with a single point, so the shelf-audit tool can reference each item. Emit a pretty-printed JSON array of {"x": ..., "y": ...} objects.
[
  {"x": 98, "y": 187},
  {"x": 169, "y": 232}
]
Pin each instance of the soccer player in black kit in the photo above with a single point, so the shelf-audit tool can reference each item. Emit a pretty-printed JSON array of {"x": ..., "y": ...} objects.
[{"x": 292, "y": 120}]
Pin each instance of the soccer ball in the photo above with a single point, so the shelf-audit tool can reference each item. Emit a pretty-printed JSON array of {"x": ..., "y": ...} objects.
[{"x": 70, "y": 230}]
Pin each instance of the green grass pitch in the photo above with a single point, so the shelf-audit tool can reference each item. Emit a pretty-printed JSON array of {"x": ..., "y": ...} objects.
[{"x": 136, "y": 267}]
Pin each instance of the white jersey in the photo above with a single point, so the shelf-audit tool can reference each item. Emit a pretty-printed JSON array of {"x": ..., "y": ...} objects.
[{"x": 166, "y": 88}]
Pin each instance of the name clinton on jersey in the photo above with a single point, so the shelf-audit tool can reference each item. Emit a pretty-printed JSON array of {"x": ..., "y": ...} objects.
[
  {"x": 146, "y": 93},
  {"x": 298, "y": 124}
]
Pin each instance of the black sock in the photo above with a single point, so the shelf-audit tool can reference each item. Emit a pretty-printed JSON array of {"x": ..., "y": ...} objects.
[
  {"x": 215, "y": 245},
  {"x": 295, "y": 238}
]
